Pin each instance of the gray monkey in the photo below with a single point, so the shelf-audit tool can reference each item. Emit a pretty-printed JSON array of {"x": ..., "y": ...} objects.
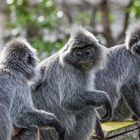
[
  {"x": 120, "y": 77},
  {"x": 17, "y": 69},
  {"x": 5, "y": 122},
  {"x": 63, "y": 87}
]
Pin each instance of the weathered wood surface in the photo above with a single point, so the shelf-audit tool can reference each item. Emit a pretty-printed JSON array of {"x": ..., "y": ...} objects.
[{"x": 120, "y": 128}]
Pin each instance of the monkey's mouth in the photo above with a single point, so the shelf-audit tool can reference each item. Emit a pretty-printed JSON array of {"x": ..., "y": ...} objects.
[{"x": 84, "y": 62}]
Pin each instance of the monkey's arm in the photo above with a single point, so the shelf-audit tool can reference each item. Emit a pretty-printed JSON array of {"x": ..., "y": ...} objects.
[
  {"x": 79, "y": 101},
  {"x": 5, "y": 123},
  {"x": 39, "y": 118},
  {"x": 131, "y": 94}
]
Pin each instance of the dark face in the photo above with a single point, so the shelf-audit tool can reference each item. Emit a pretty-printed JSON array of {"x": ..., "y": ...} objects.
[
  {"x": 85, "y": 56},
  {"x": 30, "y": 59},
  {"x": 136, "y": 48},
  {"x": 23, "y": 60},
  {"x": 29, "y": 62}
]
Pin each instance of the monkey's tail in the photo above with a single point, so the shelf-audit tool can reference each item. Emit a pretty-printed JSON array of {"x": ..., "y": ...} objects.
[{"x": 133, "y": 40}]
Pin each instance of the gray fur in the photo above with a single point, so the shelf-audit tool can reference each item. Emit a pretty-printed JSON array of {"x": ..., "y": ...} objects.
[
  {"x": 17, "y": 68},
  {"x": 62, "y": 88},
  {"x": 5, "y": 123},
  {"x": 120, "y": 77}
]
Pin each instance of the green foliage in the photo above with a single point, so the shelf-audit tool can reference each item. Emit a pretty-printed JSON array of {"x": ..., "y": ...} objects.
[
  {"x": 35, "y": 17},
  {"x": 111, "y": 17},
  {"x": 46, "y": 48},
  {"x": 83, "y": 18},
  {"x": 98, "y": 15},
  {"x": 135, "y": 9},
  {"x": 43, "y": 14}
]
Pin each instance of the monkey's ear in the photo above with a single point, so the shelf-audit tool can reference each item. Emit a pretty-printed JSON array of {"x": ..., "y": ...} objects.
[{"x": 133, "y": 40}]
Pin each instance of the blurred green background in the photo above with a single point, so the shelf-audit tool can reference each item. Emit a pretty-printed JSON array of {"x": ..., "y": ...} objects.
[{"x": 47, "y": 23}]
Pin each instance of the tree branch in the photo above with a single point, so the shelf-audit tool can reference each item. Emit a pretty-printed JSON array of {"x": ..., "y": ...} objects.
[
  {"x": 125, "y": 22},
  {"x": 66, "y": 11},
  {"x": 93, "y": 17},
  {"x": 106, "y": 23}
]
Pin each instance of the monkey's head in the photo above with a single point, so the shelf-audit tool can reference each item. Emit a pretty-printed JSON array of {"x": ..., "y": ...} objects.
[
  {"x": 18, "y": 55},
  {"x": 82, "y": 51},
  {"x": 133, "y": 40}
]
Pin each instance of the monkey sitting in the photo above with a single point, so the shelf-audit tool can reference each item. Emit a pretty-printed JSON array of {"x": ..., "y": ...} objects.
[
  {"x": 17, "y": 69},
  {"x": 63, "y": 87},
  {"x": 120, "y": 77}
]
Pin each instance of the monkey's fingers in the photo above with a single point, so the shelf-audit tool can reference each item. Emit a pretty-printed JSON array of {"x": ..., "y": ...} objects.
[
  {"x": 105, "y": 118},
  {"x": 60, "y": 130},
  {"x": 108, "y": 114},
  {"x": 53, "y": 122}
]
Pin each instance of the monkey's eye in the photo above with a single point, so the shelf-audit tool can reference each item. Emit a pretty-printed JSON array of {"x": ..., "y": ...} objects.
[
  {"x": 78, "y": 53},
  {"x": 29, "y": 60},
  {"x": 89, "y": 52}
]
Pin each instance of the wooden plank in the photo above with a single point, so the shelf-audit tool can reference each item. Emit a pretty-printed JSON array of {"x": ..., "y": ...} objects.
[
  {"x": 116, "y": 129},
  {"x": 114, "y": 126}
]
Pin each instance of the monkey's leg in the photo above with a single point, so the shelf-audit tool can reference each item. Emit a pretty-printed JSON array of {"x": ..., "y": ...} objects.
[
  {"x": 121, "y": 112},
  {"x": 31, "y": 134},
  {"x": 98, "y": 130},
  {"x": 131, "y": 94},
  {"x": 48, "y": 135},
  {"x": 26, "y": 134},
  {"x": 85, "y": 124},
  {"x": 5, "y": 123}
]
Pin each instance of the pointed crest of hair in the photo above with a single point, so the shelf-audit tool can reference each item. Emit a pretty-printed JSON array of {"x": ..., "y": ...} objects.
[
  {"x": 77, "y": 31},
  {"x": 81, "y": 37},
  {"x": 19, "y": 42}
]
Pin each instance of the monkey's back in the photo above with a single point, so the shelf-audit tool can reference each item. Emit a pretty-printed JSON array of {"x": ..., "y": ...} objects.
[
  {"x": 7, "y": 88},
  {"x": 6, "y": 99},
  {"x": 14, "y": 92},
  {"x": 121, "y": 64},
  {"x": 22, "y": 98}
]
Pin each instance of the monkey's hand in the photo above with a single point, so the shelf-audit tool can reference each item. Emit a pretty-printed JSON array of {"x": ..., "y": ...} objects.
[
  {"x": 53, "y": 122},
  {"x": 99, "y": 98},
  {"x": 60, "y": 130},
  {"x": 108, "y": 108}
]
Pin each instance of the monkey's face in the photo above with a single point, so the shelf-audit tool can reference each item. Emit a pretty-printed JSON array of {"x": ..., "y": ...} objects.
[
  {"x": 21, "y": 57},
  {"x": 84, "y": 57},
  {"x": 27, "y": 61}
]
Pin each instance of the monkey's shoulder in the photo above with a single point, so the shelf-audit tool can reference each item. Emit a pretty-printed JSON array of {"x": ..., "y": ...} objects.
[
  {"x": 6, "y": 75},
  {"x": 49, "y": 62},
  {"x": 118, "y": 51},
  {"x": 9, "y": 78}
]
